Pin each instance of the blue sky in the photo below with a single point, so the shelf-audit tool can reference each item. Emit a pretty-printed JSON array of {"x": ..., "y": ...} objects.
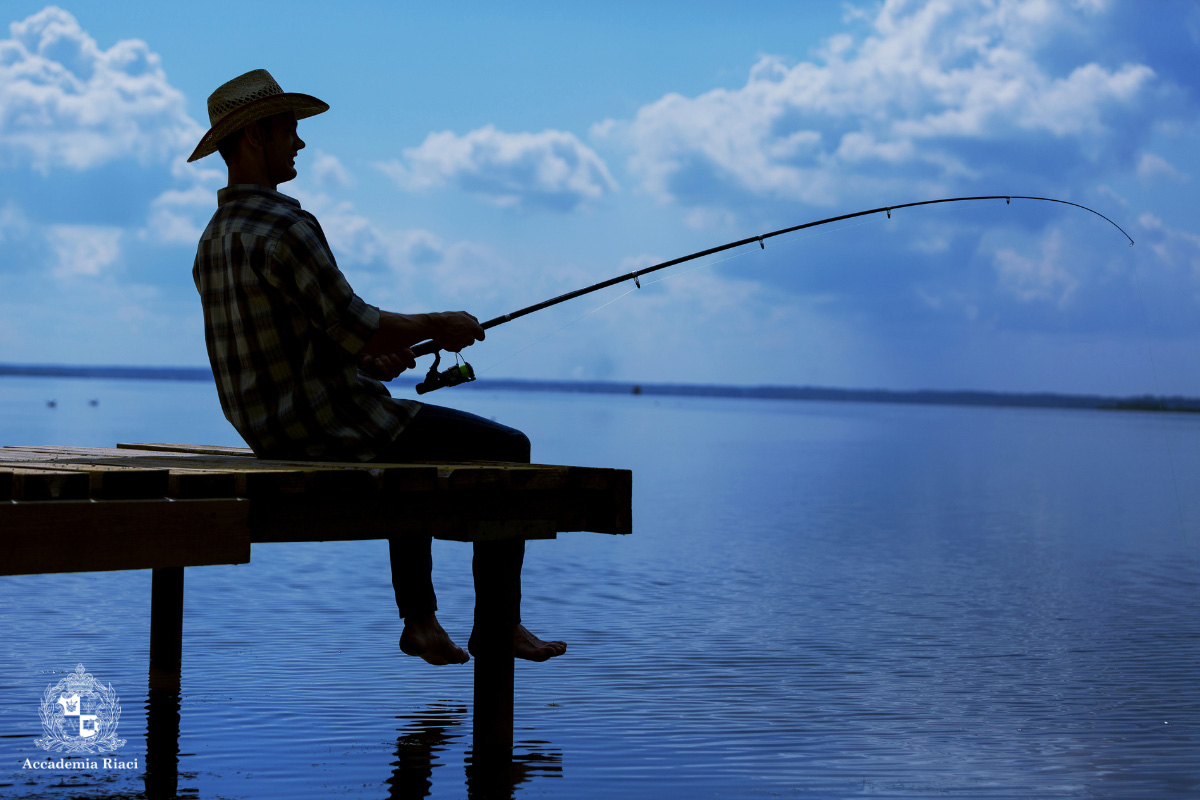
[{"x": 484, "y": 158}]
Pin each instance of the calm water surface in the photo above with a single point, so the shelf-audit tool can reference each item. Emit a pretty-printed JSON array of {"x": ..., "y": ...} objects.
[{"x": 818, "y": 600}]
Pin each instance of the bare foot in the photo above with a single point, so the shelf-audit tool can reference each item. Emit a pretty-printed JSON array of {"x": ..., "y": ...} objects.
[
  {"x": 424, "y": 637},
  {"x": 528, "y": 646}
]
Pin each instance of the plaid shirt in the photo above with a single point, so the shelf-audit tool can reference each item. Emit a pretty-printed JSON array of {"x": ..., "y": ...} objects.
[{"x": 284, "y": 332}]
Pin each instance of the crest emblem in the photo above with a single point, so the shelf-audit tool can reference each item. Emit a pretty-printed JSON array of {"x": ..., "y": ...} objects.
[{"x": 79, "y": 715}]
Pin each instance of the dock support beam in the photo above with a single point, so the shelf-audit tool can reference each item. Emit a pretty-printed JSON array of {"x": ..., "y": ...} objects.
[
  {"x": 166, "y": 619},
  {"x": 162, "y": 703},
  {"x": 497, "y": 570}
]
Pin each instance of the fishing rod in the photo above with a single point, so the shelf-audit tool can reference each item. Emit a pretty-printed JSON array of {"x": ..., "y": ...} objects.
[{"x": 462, "y": 373}]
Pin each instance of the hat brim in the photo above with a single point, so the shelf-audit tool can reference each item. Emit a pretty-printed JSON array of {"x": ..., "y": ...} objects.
[{"x": 303, "y": 105}]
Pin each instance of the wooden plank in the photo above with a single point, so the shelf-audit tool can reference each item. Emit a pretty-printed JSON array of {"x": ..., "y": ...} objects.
[
  {"x": 115, "y": 483},
  {"x": 54, "y": 449},
  {"x": 519, "y": 477},
  {"x": 44, "y": 484},
  {"x": 192, "y": 482},
  {"x": 108, "y": 453},
  {"x": 216, "y": 476},
  {"x": 407, "y": 478},
  {"x": 489, "y": 498},
  {"x": 113, "y": 457},
  {"x": 173, "y": 461},
  {"x": 199, "y": 449},
  {"x": 24, "y": 457},
  {"x": 201, "y": 483},
  {"x": 502, "y": 530},
  {"x": 303, "y": 519},
  {"x": 101, "y": 535},
  {"x": 539, "y": 473}
]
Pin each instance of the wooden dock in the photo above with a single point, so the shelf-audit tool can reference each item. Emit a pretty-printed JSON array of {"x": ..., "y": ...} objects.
[{"x": 165, "y": 507}]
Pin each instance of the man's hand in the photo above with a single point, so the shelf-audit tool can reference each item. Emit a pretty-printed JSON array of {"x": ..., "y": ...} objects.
[
  {"x": 450, "y": 330},
  {"x": 454, "y": 330},
  {"x": 387, "y": 366}
]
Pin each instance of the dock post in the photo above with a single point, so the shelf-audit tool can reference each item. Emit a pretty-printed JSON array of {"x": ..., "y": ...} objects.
[
  {"x": 166, "y": 618},
  {"x": 497, "y": 569}
]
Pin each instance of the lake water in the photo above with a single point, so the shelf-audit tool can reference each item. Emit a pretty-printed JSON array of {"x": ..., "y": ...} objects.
[{"x": 818, "y": 600}]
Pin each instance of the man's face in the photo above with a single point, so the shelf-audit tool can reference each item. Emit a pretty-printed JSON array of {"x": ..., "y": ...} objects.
[{"x": 280, "y": 145}]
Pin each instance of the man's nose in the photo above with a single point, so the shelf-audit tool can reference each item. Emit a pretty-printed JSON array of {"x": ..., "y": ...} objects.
[{"x": 299, "y": 143}]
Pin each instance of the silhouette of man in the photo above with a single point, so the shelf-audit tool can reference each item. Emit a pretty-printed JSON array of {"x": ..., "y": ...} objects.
[{"x": 298, "y": 357}]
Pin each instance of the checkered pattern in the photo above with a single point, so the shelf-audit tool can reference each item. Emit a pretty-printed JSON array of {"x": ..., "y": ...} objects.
[{"x": 284, "y": 331}]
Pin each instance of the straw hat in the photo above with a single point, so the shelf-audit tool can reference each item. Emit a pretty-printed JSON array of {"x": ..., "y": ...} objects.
[{"x": 247, "y": 98}]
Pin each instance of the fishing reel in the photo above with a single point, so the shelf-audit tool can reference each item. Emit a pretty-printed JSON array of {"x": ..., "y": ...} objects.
[{"x": 452, "y": 376}]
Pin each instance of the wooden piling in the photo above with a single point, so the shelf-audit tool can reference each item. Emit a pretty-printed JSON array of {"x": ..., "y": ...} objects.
[
  {"x": 166, "y": 618},
  {"x": 497, "y": 571}
]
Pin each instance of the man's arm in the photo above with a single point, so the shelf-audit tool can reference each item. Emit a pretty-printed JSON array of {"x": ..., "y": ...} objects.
[
  {"x": 388, "y": 351},
  {"x": 451, "y": 330}
]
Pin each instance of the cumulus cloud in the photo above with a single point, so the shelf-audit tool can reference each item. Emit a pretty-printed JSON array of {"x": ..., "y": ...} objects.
[
  {"x": 1151, "y": 167},
  {"x": 409, "y": 269},
  {"x": 1174, "y": 246},
  {"x": 66, "y": 103},
  {"x": 356, "y": 240},
  {"x": 178, "y": 216},
  {"x": 328, "y": 171},
  {"x": 13, "y": 222},
  {"x": 82, "y": 250},
  {"x": 1037, "y": 278},
  {"x": 704, "y": 329},
  {"x": 551, "y": 169},
  {"x": 945, "y": 91}
]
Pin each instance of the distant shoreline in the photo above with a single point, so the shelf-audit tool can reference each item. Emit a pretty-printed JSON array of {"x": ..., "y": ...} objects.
[{"x": 915, "y": 397}]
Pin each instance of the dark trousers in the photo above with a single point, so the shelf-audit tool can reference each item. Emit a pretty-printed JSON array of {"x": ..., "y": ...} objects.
[{"x": 444, "y": 434}]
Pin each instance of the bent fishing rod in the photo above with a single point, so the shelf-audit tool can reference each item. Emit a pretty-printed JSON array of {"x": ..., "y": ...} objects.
[{"x": 462, "y": 373}]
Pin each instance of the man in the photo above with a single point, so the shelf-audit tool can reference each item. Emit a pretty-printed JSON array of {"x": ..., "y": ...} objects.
[{"x": 298, "y": 356}]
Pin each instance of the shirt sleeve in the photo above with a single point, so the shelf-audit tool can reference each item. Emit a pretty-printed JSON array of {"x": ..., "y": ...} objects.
[{"x": 302, "y": 267}]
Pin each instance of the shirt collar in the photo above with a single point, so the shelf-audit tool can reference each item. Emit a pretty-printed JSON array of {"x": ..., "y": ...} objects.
[{"x": 227, "y": 194}]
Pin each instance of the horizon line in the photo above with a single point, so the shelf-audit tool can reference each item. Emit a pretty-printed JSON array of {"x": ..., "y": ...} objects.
[{"x": 1041, "y": 399}]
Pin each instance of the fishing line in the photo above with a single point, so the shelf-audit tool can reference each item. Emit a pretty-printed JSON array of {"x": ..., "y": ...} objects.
[
  {"x": 463, "y": 373},
  {"x": 786, "y": 241},
  {"x": 1163, "y": 426},
  {"x": 780, "y": 243},
  {"x": 428, "y": 347},
  {"x": 557, "y": 331}
]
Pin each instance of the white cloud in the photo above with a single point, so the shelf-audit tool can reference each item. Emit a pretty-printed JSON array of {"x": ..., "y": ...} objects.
[
  {"x": 64, "y": 102},
  {"x": 1172, "y": 245},
  {"x": 880, "y": 111},
  {"x": 409, "y": 269},
  {"x": 13, "y": 222},
  {"x": 1042, "y": 278},
  {"x": 705, "y": 328},
  {"x": 704, "y": 218},
  {"x": 551, "y": 169},
  {"x": 328, "y": 171},
  {"x": 179, "y": 216},
  {"x": 1151, "y": 167},
  {"x": 82, "y": 250}
]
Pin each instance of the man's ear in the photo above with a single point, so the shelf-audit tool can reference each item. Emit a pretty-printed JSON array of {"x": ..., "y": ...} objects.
[{"x": 254, "y": 134}]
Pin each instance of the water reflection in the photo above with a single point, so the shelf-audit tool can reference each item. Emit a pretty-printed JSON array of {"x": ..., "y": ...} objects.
[
  {"x": 439, "y": 729},
  {"x": 417, "y": 748},
  {"x": 162, "y": 735},
  {"x": 954, "y": 603},
  {"x": 531, "y": 759}
]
